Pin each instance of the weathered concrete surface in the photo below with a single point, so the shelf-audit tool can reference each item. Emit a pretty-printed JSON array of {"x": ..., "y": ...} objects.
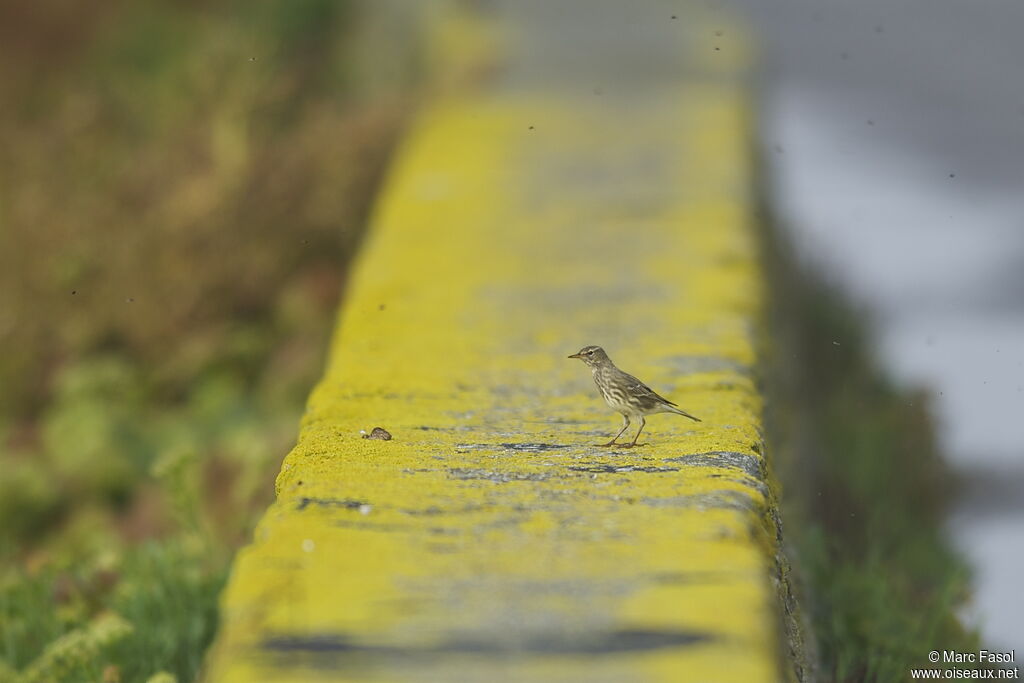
[{"x": 490, "y": 539}]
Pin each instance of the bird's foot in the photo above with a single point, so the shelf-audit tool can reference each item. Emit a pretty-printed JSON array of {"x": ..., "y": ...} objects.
[
  {"x": 606, "y": 445},
  {"x": 624, "y": 445}
]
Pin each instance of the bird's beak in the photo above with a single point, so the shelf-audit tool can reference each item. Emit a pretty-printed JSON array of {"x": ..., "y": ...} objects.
[{"x": 575, "y": 355}]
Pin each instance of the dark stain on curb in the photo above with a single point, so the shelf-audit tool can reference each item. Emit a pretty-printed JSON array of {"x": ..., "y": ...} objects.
[
  {"x": 518, "y": 447},
  {"x": 748, "y": 463},
  {"x": 621, "y": 469},
  {"x": 496, "y": 476},
  {"x": 730, "y": 500},
  {"x": 339, "y": 647},
  {"x": 346, "y": 503},
  {"x": 694, "y": 364}
]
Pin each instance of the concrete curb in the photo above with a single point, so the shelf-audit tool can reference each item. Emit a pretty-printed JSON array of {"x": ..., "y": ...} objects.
[{"x": 489, "y": 539}]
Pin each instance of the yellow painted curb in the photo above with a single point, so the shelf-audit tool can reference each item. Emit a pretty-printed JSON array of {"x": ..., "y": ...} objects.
[{"x": 489, "y": 539}]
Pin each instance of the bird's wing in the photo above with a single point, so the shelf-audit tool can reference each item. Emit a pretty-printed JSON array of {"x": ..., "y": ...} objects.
[{"x": 641, "y": 389}]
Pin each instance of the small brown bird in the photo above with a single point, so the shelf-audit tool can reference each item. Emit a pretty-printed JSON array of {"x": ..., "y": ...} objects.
[{"x": 625, "y": 393}]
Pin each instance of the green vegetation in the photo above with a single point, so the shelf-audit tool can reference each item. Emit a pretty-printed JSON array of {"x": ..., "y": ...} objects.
[
  {"x": 864, "y": 489},
  {"x": 182, "y": 184}
]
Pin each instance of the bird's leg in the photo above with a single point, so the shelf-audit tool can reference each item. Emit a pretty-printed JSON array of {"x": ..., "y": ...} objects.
[
  {"x": 625, "y": 424},
  {"x": 642, "y": 423}
]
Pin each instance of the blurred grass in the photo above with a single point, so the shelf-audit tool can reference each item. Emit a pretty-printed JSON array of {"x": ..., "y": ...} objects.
[
  {"x": 180, "y": 187},
  {"x": 865, "y": 490}
]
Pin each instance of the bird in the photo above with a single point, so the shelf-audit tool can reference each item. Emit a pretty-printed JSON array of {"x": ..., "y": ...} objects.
[{"x": 625, "y": 393}]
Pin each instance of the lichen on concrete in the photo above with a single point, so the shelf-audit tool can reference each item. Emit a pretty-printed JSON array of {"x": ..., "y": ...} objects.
[{"x": 490, "y": 537}]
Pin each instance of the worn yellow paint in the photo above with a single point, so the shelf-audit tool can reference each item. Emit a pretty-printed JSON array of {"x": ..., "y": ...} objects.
[{"x": 490, "y": 539}]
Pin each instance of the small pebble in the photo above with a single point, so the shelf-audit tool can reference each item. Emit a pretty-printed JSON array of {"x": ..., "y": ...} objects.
[{"x": 378, "y": 433}]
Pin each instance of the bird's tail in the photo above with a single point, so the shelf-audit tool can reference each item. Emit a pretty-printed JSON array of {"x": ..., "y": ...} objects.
[{"x": 677, "y": 411}]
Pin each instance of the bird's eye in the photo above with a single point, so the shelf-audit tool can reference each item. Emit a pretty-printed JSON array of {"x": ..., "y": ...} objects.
[{"x": 590, "y": 353}]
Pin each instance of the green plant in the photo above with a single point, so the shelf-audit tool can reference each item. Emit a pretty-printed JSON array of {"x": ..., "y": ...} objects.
[
  {"x": 864, "y": 488},
  {"x": 181, "y": 187}
]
